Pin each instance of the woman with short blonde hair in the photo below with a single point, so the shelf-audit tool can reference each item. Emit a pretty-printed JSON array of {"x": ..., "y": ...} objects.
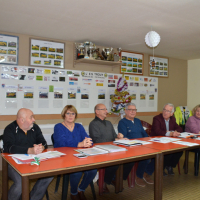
[
  {"x": 193, "y": 123},
  {"x": 71, "y": 134}
]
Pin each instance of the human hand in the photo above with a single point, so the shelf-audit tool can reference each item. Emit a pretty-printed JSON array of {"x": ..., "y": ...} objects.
[
  {"x": 120, "y": 136},
  {"x": 87, "y": 142},
  {"x": 36, "y": 149},
  {"x": 175, "y": 134}
]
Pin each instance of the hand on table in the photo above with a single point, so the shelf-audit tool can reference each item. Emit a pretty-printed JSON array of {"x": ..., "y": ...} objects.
[
  {"x": 36, "y": 149},
  {"x": 175, "y": 134},
  {"x": 87, "y": 142},
  {"x": 120, "y": 136}
]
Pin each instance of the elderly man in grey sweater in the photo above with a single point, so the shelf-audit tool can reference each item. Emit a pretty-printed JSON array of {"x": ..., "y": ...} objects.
[{"x": 102, "y": 130}]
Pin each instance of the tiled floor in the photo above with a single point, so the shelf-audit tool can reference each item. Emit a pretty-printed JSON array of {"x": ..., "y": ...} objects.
[{"x": 183, "y": 187}]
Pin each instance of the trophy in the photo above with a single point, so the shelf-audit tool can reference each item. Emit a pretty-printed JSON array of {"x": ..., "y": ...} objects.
[
  {"x": 91, "y": 47},
  {"x": 110, "y": 56},
  {"x": 80, "y": 48},
  {"x": 119, "y": 51},
  {"x": 104, "y": 54},
  {"x": 86, "y": 45}
]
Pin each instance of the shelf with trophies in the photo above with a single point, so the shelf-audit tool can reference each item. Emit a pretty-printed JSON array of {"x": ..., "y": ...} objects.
[{"x": 87, "y": 52}]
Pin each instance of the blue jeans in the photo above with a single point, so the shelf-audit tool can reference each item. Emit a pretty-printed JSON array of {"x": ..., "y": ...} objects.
[
  {"x": 76, "y": 177},
  {"x": 15, "y": 190},
  {"x": 145, "y": 166}
]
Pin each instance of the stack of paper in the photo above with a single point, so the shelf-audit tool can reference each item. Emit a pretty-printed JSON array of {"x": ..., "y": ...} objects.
[
  {"x": 187, "y": 135},
  {"x": 190, "y": 144},
  {"x": 27, "y": 158},
  {"x": 92, "y": 151},
  {"x": 164, "y": 139},
  {"x": 130, "y": 142},
  {"x": 111, "y": 148}
]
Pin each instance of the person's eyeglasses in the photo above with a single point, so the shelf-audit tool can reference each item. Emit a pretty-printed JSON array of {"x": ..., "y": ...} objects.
[
  {"x": 70, "y": 114},
  {"x": 132, "y": 110},
  {"x": 167, "y": 111},
  {"x": 102, "y": 109}
]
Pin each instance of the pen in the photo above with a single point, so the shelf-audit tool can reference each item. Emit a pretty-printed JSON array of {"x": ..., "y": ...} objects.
[{"x": 137, "y": 143}]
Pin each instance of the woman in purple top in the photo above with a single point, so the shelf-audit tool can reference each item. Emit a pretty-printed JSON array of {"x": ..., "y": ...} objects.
[
  {"x": 193, "y": 123},
  {"x": 70, "y": 134}
]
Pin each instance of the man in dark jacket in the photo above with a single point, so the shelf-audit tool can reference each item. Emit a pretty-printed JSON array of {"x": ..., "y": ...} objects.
[
  {"x": 24, "y": 137},
  {"x": 165, "y": 125}
]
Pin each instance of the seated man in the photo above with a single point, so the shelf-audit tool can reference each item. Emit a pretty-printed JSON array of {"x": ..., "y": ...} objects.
[
  {"x": 101, "y": 130},
  {"x": 131, "y": 128},
  {"x": 24, "y": 137},
  {"x": 165, "y": 125}
]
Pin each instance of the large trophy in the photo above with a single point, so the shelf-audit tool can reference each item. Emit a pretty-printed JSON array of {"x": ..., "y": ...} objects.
[
  {"x": 108, "y": 54},
  {"x": 119, "y": 51},
  {"x": 80, "y": 53}
]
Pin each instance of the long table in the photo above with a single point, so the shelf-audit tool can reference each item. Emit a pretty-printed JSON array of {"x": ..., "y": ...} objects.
[{"x": 70, "y": 164}]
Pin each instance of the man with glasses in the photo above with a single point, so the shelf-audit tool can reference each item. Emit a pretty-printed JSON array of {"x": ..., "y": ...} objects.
[
  {"x": 165, "y": 124},
  {"x": 102, "y": 130},
  {"x": 131, "y": 128}
]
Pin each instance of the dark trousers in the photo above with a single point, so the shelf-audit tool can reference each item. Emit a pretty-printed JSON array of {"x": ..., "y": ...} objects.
[
  {"x": 172, "y": 159},
  {"x": 15, "y": 190},
  {"x": 110, "y": 172}
]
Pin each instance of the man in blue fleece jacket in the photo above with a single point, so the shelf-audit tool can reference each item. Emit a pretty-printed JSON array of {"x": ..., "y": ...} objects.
[{"x": 131, "y": 128}]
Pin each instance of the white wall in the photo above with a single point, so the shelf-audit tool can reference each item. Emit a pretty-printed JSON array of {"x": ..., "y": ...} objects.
[{"x": 193, "y": 86}]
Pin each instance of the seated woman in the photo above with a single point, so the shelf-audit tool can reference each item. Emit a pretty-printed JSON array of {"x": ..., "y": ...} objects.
[
  {"x": 70, "y": 134},
  {"x": 193, "y": 123}
]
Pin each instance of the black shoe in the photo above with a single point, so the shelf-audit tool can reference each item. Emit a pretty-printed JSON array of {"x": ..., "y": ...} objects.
[
  {"x": 164, "y": 173},
  {"x": 105, "y": 189},
  {"x": 170, "y": 170}
]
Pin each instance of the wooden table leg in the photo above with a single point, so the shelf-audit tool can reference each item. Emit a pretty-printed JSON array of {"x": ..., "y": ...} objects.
[
  {"x": 119, "y": 179},
  {"x": 158, "y": 176},
  {"x": 25, "y": 188},
  {"x": 4, "y": 180},
  {"x": 186, "y": 162}
]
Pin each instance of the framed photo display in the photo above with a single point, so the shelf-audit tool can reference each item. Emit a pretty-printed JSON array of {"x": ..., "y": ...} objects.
[
  {"x": 132, "y": 63},
  {"x": 161, "y": 68},
  {"x": 46, "y": 53},
  {"x": 9, "y": 48}
]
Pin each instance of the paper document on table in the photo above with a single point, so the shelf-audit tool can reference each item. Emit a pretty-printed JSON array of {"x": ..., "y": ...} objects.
[
  {"x": 130, "y": 142},
  {"x": 91, "y": 151},
  {"x": 187, "y": 135},
  {"x": 164, "y": 139},
  {"x": 111, "y": 148},
  {"x": 190, "y": 144},
  {"x": 41, "y": 156}
]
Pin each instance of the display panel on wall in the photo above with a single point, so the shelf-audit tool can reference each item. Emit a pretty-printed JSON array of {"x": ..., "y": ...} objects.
[
  {"x": 48, "y": 90},
  {"x": 161, "y": 68},
  {"x": 9, "y": 47},
  {"x": 132, "y": 63},
  {"x": 46, "y": 53}
]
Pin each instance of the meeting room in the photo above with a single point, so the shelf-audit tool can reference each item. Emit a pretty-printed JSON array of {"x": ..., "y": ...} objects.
[{"x": 99, "y": 100}]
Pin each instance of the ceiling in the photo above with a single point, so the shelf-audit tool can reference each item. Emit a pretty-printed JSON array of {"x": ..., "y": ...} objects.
[{"x": 110, "y": 23}]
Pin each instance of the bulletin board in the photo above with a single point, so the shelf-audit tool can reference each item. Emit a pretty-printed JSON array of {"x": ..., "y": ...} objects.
[{"x": 47, "y": 90}]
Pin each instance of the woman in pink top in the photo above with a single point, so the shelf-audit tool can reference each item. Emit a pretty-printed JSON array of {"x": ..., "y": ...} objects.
[
  {"x": 193, "y": 126},
  {"x": 193, "y": 123}
]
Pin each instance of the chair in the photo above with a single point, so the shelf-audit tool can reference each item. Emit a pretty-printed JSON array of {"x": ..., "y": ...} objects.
[{"x": 66, "y": 183}]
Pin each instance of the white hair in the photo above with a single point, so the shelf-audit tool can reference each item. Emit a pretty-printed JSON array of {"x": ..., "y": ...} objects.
[
  {"x": 169, "y": 104},
  {"x": 129, "y": 104}
]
